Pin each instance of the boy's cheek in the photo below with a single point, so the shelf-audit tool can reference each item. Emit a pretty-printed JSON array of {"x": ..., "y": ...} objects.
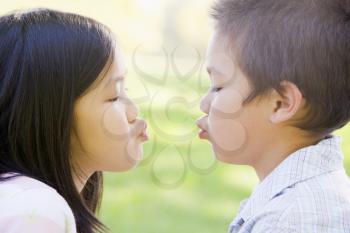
[
  {"x": 228, "y": 135},
  {"x": 228, "y": 101}
]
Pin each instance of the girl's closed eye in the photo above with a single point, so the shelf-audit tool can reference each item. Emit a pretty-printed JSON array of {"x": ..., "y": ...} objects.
[
  {"x": 114, "y": 99},
  {"x": 119, "y": 88}
]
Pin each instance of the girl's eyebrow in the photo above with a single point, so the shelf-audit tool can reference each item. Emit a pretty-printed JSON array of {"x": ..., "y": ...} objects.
[
  {"x": 118, "y": 78},
  {"x": 121, "y": 76},
  {"x": 115, "y": 79}
]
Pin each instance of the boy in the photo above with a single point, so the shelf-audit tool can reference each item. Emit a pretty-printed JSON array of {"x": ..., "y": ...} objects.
[{"x": 280, "y": 77}]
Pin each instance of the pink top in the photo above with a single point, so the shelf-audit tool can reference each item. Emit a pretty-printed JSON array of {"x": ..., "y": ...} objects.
[{"x": 28, "y": 205}]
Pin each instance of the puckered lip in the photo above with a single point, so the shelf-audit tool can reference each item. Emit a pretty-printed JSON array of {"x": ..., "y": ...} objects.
[
  {"x": 201, "y": 123},
  {"x": 142, "y": 130}
]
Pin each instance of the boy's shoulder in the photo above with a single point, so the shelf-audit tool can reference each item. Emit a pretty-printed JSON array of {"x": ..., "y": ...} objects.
[
  {"x": 308, "y": 192},
  {"x": 315, "y": 205},
  {"x": 322, "y": 201},
  {"x": 318, "y": 204}
]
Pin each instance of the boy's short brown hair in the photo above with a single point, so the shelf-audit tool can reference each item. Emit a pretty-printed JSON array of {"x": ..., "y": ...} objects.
[{"x": 306, "y": 42}]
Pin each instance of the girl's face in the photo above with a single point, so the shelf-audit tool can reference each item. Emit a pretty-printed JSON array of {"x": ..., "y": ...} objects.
[{"x": 107, "y": 136}]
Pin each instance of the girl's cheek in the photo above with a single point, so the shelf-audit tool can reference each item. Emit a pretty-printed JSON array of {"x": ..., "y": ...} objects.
[
  {"x": 227, "y": 133},
  {"x": 114, "y": 121}
]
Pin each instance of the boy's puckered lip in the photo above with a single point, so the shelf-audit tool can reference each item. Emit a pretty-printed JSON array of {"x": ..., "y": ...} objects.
[
  {"x": 201, "y": 122},
  {"x": 203, "y": 134}
]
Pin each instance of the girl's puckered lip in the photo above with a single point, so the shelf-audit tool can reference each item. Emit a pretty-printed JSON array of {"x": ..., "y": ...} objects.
[{"x": 142, "y": 135}]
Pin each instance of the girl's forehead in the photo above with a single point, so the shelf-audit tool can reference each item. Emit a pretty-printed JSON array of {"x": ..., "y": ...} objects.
[
  {"x": 113, "y": 70},
  {"x": 115, "y": 67},
  {"x": 118, "y": 62}
]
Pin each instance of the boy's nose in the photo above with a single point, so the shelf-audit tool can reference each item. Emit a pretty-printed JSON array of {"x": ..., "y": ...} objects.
[{"x": 205, "y": 105}]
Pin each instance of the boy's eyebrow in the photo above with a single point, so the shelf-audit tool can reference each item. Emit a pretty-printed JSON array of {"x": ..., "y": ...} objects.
[{"x": 211, "y": 70}]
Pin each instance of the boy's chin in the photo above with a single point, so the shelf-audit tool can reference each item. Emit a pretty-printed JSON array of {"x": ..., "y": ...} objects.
[{"x": 233, "y": 157}]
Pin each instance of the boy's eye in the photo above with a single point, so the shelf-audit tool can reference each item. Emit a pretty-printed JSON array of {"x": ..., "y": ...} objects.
[{"x": 216, "y": 89}]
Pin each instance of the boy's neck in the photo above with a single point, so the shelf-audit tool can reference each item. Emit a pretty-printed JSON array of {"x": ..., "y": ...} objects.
[{"x": 279, "y": 149}]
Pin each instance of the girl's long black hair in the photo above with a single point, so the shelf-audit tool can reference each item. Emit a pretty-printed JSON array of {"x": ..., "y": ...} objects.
[{"x": 48, "y": 59}]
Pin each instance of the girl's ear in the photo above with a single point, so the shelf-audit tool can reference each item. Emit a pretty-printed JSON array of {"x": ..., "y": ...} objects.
[{"x": 286, "y": 104}]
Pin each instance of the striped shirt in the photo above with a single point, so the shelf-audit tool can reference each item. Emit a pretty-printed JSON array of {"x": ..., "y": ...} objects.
[{"x": 309, "y": 192}]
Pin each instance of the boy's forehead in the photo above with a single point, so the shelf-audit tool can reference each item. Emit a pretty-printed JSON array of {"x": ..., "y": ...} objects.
[
  {"x": 218, "y": 57},
  {"x": 217, "y": 48},
  {"x": 218, "y": 43}
]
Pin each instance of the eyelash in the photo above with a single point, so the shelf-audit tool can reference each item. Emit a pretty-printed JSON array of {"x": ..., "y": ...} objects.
[
  {"x": 216, "y": 89},
  {"x": 114, "y": 99},
  {"x": 117, "y": 98}
]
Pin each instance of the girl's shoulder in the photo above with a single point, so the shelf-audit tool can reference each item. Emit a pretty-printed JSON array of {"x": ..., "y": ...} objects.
[{"x": 28, "y": 203}]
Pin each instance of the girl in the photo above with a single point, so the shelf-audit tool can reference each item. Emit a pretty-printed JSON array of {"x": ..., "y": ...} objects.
[{"x": 64, "y": 118}]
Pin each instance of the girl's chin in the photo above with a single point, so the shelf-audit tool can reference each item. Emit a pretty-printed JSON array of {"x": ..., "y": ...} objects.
[
  {"x": 132, "y": 160},
  {"x": 135, "y": 151}
]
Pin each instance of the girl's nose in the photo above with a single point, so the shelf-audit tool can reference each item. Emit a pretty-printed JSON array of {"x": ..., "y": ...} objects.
[{"x": 131, "y": 109}]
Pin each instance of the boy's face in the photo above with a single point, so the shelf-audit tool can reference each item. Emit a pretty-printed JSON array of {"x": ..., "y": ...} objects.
[{"x": 236, "y": 132}]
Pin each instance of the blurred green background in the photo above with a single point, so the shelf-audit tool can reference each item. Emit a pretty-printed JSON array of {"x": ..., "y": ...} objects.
[{"x": 178, "y": 187}]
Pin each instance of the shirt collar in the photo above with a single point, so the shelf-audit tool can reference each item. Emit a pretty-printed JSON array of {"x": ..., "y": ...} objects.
[{"x": 308, "y": 162}]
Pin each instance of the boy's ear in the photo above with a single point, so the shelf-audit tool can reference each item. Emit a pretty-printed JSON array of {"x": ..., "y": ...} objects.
[{"x": 286, "y": 104}]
